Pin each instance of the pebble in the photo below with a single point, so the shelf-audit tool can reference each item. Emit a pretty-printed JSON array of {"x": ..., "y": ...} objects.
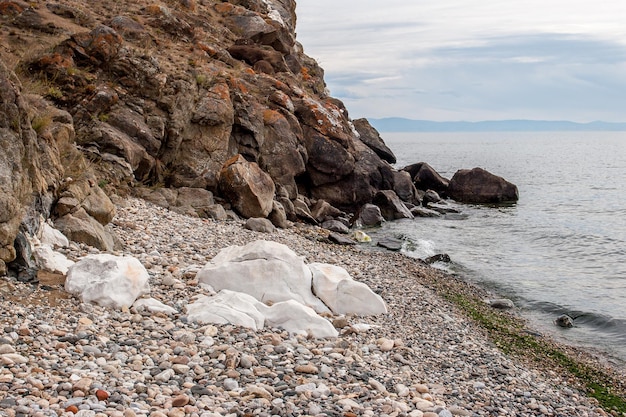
[{"x": 92, "y": 361}]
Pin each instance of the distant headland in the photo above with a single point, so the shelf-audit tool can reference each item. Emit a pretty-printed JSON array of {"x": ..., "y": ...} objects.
[{"x": 399, "y": 124}]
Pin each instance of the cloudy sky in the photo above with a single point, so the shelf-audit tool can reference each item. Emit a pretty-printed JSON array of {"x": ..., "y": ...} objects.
[{"x": 471, "y": 59}]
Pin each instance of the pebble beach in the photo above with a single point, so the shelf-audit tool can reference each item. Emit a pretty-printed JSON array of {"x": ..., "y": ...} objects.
[{"x": 61, "y": 357}]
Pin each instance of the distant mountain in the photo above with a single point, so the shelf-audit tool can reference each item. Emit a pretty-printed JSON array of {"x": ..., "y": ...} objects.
[{"x": 399, "y": 124}]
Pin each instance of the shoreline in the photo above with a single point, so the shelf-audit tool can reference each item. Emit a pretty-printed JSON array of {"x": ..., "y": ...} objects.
[{"x": 440, "y": 362}]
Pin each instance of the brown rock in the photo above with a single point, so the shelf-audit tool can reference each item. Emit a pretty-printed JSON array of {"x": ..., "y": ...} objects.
[
  {"x": 306, "y": 369},
  {"x": 370, "y": 136},
  {"x": 480, "y": 186},
  {"x": 426, "y": 178},
  {"x": 247, "y": 187},
  {"x": 390, "y": 206},
  {"x": 102, "y": 395},
  {"x": 180, "y": 400},
  {"x": 81, "y": 227}
]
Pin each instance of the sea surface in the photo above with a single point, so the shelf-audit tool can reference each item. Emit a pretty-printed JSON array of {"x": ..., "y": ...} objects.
[{"x": 560, "y": 250}]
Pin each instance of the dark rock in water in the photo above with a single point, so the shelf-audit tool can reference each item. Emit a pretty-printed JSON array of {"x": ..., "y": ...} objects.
[
  {"x": 258, "y": 224},
  {"x": 426, "y": 178},
  {"x": 502, "y": 304},
  {"x": 431, "y": 196},
  {"x": 564, "y": 321},
  {"x": 370, "y": 215},
  {"x": 440, "y": 257},
  {"x": 404, "y": 187},
  {"x": 335, "y": 226},
  {"x": 390, "y": 243},
  {"x": 372, "y": 139},
  {"x": 443, "y": 208},
  {"x": 480, "y": 186},
  {"x": 424, "y": 212},
  {"x": 391, "y": 207},
  {"x": 340, "y": 239}
]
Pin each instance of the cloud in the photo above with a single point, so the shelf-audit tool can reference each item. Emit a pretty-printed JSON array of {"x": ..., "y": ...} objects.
[{"x": 470, "y": 60}]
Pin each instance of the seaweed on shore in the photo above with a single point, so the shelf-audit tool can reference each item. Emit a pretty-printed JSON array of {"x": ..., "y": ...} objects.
[{"x": 509, "y": 333}]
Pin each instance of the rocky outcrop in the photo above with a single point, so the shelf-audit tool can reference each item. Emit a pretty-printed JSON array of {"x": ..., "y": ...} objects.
[
  {"x": 369, "y": 136},
  {"x": 480, "y": 186},
  {"x": 391, "y": 207},
  {"x": 426, "y": 178},
  {"x": 166, "y": 96}
]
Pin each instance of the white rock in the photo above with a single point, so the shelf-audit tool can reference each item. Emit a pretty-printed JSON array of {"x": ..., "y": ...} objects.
[
  {"x": 227, "y": 307},
  {"x": 297, "y": 318},
  {"x": 268, "y": 271},
  {"x": 154, "y": 306},
  {"x": 334, "y": 285},
  {"x": 50, "y": 260},
  {"x": 48, "y": 235},
  {"x": 107, "y": 280}
]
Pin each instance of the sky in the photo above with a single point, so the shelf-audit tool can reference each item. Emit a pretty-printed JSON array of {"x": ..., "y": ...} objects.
[{"x": 472, "y": 60}]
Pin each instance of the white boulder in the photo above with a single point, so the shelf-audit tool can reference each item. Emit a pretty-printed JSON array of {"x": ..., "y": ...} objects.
[
  {"x": 48, "y": 235},
  {"x": 244, "y": 310},
  {"x": 154, "y": 306},
  {"x": 227, "y": 307},
  {"x": 50, "y": 260},
  {"x": 343, "y": 295},
  {"x": 297, "y": 318},
  {"x": 268, "y": 271},
  {"x": 108, "y": 280}
]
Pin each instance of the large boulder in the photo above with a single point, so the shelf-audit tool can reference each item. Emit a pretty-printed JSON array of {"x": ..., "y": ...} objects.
[
  {"x": 426, "y": 178},
  {"x": 404, "y": 187},
  {"x": 81, "y": 227},
  {"x": 108, "y": 280},
  {"x": 391, "y": 206},
  {"x": 480, "y": 186},
  {"x": 247, "y": 187},
  {"x": 369, "y": 215},
  {"x": 370, "y": 136},
  {"x": 268, "y": 271},
  {"x": 334, "y": 285}
]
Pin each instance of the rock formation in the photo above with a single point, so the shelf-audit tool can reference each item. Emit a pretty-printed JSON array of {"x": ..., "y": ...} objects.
[{"x": 169, "y": 96}]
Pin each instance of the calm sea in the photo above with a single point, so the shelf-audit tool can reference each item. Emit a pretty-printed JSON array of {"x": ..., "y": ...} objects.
[{"x": 560, "y": 249}]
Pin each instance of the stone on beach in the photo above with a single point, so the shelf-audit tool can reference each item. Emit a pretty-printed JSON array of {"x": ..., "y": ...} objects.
[
  {"x": 268, "y": 271},
  {"x": 297, "y": 318},
  {"x": 334, "y": 285},
  {"x": 227, "y": 307},
  {"x": 50, "y": 260},
  {"x": 108, "y": 280},
  {"x": 154, "y": 306}
]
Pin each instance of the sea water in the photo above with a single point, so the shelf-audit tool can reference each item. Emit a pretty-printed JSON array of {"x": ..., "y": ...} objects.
[{"x": 560, "y": 250}]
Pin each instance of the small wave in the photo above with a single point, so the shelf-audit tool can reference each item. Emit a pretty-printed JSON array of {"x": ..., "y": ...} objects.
[{"x": 596, "y": 321}]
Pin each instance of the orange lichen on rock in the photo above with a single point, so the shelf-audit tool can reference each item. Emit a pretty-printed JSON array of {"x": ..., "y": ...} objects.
[{"x": 271, "y": 117}]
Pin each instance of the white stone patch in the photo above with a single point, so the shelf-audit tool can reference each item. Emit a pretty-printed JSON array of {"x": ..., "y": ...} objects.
[
  {"x": 153, "y": 305},
  {"x": 227, "y": 307},
  {"x": 343, "y": 295},
  {"x": 50, "y": 260},
  {"x": 108, "y": 280},
  {"x": 48, "y": 235},
  {"x": 268, "y": 271},
  {"x": 297, "y": 318}
]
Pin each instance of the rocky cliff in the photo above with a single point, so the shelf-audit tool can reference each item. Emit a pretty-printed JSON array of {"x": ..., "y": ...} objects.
[{"x": 181, "y": 94}]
